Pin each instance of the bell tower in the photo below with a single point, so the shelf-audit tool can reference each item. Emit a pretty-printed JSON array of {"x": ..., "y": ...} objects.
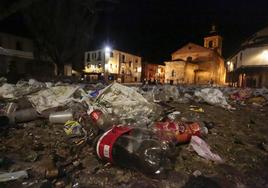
[{"x": 213, "y": 40}]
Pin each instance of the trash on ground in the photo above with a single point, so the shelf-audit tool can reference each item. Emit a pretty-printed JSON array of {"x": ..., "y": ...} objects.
[
  {"x": 179, "y": 132},
  {"x": 212, "y": 96},
  {"x": 241, "y": 94},
  {"x": 102, "y": 119},
  {"x": 13, "y": 176},
  {"x": 24, "y": 115},
  {"x": 257, "y": 100},
  {"x": 173, "y": 115},
  {"x": 73, "y": 128},
  {"x": 128, "y": 105},
  {"x": 135, "y": 148},
  {"x": 60, "y": 117},
  {"x": 52, "y": 97},
  {"x": 203, "y": 149},
  {"x": 196, "y": 109}
]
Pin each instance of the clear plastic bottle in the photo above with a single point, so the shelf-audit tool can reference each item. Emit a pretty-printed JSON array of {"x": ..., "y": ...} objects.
[
  {"x": 103, "y": 120},
  {"x": 135, "y": 148}
]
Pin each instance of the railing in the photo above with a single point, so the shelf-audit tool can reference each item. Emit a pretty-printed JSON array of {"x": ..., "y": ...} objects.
[{"x": 16, "y": 53}]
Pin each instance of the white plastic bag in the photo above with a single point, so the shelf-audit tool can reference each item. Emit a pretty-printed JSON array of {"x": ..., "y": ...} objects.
[{"x": 203, "y": 149}]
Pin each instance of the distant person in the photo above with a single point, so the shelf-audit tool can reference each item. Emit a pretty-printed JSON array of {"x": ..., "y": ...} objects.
[{"x": 211, "y": 82}]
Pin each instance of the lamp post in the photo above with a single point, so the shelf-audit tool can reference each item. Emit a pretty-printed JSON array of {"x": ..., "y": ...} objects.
[{"x": 107, "y": 51}]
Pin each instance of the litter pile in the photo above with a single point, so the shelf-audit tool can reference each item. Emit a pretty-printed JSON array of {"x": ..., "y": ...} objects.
[{"x": 125, "y": 126}]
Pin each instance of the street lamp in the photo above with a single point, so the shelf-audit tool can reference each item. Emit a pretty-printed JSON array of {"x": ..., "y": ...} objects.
[
  {"x": 107, "y": 49},
  {"x": 265, "y": 55}
]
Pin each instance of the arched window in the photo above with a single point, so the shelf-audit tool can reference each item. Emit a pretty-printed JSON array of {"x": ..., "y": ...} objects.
[
  {"x": 189, "y": 59},
  {"x": 210, "y": 44},
  {"x": 173, "y": 73}
]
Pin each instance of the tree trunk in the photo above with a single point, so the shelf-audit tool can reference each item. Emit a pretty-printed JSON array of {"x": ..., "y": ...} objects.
[{"x": 60, "y": 69}]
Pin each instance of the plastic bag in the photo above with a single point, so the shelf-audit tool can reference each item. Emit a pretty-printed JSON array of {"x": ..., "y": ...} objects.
[{"x": 203, "y": 149}]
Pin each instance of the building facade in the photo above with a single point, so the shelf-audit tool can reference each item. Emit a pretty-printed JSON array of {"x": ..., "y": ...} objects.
[
  {"x": 17, "y": 59},
  {"x": 248, "y": 67},
  {"x": 112, "y": 65},
  {"x": 153, "y": 72},
  {"x": 195, "y": 64},
  {"x": 15, "y": 54}
]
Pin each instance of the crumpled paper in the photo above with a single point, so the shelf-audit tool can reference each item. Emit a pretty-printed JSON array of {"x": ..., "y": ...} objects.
[
  {"x": 126, "y": 103},
  {"x": 52, "y": 97}
]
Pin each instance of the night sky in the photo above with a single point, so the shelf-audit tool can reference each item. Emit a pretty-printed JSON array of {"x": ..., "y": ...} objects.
[{"x": 154, "y": 29}]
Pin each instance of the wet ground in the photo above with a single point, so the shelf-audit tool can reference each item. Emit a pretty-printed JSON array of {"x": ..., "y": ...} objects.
[{"x": 53, "y": 160}]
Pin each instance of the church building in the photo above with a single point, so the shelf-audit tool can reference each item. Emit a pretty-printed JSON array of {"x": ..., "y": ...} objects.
[{"x": 195, "y": 64}]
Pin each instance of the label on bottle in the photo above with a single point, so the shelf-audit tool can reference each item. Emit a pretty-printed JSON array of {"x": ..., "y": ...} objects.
[
  {"x": 95, "y": 115},
  {"x": 106, "y": 141},
  {"x": 106, "y": 151}
]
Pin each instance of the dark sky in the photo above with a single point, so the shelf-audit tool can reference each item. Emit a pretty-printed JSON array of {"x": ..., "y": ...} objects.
[{"x": 155, "y": 29}]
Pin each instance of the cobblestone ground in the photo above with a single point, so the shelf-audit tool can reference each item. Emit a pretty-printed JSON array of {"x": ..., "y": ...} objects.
[{"x": 52, "y": 160}]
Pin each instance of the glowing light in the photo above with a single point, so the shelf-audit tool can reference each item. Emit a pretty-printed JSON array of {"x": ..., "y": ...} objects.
[
  {"x": 228, "y": 63},
  {"x": 265, "y": 55},
  {"x": 107, "y": 49},
  {"x": 139, "y": 69}
]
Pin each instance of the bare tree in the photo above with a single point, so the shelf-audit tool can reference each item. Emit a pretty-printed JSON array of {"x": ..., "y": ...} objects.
[
  {"x": 62, "y": 29},
  {"x": 8, "y": 7}
]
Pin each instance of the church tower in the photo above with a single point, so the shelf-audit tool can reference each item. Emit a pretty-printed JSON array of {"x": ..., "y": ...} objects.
[{"x": 213, "y": 40}]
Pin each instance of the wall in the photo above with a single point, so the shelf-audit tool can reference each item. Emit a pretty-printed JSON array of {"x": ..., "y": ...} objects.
[
  {"x": 9, "y": 41},
  {"x": 250, "y": 57},
  {"x": 116, "y": 63},
  {"x": 174, "y": 71},
  {"x": 189, "y": 77}
]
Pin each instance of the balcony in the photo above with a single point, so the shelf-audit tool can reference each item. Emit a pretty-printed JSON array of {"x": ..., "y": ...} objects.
[{"x": 16, "y": 53}]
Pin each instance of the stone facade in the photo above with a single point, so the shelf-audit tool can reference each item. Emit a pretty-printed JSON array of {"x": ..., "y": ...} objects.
[
  {"x": 248, "y": 67},
  {"x": 195, "y": 64},
  {"x": 112, "y": 65},
  {"x": 154, "y": 72}
]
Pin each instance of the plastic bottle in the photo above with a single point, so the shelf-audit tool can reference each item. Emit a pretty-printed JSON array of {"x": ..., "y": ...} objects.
[
  {"x": 103, "y": 120},
  {"x": 60, "y": 117},
  {"x": 24, "y": 115},
  {"x": 135, "y": 148},
  {"x": 179, "y": 132},
  {"x": 13, "y": 176}
]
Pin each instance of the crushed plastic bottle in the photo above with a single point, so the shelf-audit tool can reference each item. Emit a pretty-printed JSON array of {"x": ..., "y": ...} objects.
[
  {"x": 135, "y": 148},
  {"x": 179, "y": 132},
  {"x": 103, "y": 120}
]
